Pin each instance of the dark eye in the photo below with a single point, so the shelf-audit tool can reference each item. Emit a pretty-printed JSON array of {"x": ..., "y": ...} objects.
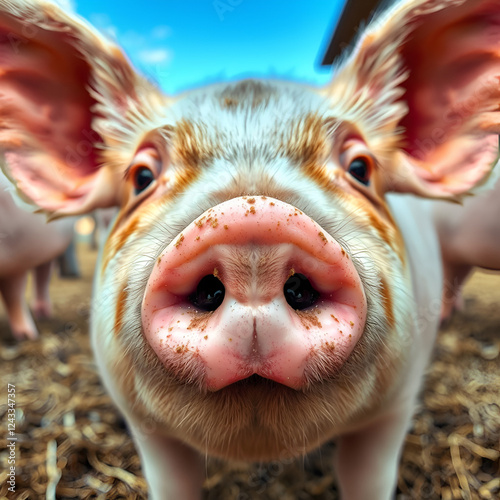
[
  {"x": 143, "y": 177},
  {"x": 360, "y": 170}
]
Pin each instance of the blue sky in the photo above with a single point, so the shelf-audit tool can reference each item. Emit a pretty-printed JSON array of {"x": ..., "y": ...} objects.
[{"x": 185, "y": 44}]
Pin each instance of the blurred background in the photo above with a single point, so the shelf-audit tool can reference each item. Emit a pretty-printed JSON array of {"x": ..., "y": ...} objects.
[{"x": 187, "y": 44}]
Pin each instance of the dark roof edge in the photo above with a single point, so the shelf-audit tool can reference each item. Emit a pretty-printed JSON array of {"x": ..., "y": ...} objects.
[{"x": 353, "y": 14}]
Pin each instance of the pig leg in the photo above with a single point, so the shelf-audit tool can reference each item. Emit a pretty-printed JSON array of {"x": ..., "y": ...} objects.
[
  {"x": 95, "y": 234},
  {"x": 21, "y": 322},
  {"x": 172, "y": 469},
  {"x": 367, "y": 460},
  {"x": 68, "y": 263},
  {"x": 454, "y": 278},
  {"x": 42, "y": 307}
]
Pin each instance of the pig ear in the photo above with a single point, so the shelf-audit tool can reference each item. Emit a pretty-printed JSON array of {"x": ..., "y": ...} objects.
[
  {"x": 423, "y": 81},
  {"x": 70, "y": 106}
]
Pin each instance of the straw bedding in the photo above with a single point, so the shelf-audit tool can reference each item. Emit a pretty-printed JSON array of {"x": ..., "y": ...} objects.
[{"x": 72, "y": 442}]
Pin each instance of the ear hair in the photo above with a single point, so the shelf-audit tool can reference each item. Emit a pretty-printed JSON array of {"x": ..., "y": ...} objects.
[
  {"x": 372, "y": 72},
  {"x": 103, "y": 109},
  {"x": 394, "y": 87}
]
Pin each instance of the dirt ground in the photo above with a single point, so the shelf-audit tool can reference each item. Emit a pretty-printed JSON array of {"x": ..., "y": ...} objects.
[{"x": 72, "y": 442}]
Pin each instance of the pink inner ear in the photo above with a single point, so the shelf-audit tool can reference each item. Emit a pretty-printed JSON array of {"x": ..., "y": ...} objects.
[
  {"x": 46, "y": 132},
  {"x": 452, "y": 91},
  {"x": 49, "y": 188},
  {"x": 452, "y": 171}
]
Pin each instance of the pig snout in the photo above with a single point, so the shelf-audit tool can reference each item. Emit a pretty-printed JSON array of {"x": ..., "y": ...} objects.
[{"x": 253, "y": 286}]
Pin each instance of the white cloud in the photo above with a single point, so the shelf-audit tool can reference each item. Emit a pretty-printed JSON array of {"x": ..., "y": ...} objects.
[
  {"x": 69, "y": 5},
  {"x": 144, "y": 49},
  {"x": 103, "y": 23},
  {"x": 133, "y": 39},
  {"x": 161, "y": 32},
  {"x": 154, "y": 56}
]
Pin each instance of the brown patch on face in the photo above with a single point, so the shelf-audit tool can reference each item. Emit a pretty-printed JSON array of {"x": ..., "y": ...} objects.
[
  {"x": 179, "y": 241},
  {"x": 247, "y": 91},
  {"x": 374, "y": 208},
  {"x": 382, "y": 229},
  {"x": 399, "y": 244},
  {"x": 309, "y": 318},
  {"x": 310, "y": 146},
  {"x": 189, "y": 149},
  {"x": 387, "y": 302},
  {"x": 385, "y": 226},
  {"x": 328, "y": 345},
  {"x": 307, "y": 144},
  {"x": 229, "y": 103},
  {"x": 125, "y": 233},
  {"x": 375, "y": 212},
  {"x": 117, "y": 240},
  {"x": 120, "y": 310},
  {"x": 200, "y": 321},
  {"x": 185, "y": 147}
]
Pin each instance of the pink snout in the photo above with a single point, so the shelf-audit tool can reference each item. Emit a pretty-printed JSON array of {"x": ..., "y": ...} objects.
[{"x": 253, "y": 286}]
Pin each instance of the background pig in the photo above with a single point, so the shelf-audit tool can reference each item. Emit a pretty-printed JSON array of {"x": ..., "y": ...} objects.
[
  {"x": 258, "y": 292},
  {"x": 27, "y": 243},
  {"x": 469, "y": 235},
  {"x": 102, "y": 220},
  {"x": 68, "y": 261}
]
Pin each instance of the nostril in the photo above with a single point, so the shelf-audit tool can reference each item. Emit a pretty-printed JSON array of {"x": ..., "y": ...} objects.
[
  {"x": 209, "y": 293},
  {"x": 299, "y": 293}
]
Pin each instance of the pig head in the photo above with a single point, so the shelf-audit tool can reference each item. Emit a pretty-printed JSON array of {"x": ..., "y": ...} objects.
[{"x": 259, "y": 293}]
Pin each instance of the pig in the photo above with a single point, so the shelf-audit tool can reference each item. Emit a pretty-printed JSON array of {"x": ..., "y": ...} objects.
[
  {"x": 273, "y": 277},
  {"x": 102, "y": 221},
  {"x": 67, "y": 262},
  {"x": 469, "y": 236},
  {"x": 27, "y": 243}
]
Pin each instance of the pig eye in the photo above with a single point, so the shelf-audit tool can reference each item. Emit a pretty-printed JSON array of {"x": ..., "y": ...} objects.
[
  {"x": 143, "y": 177},
  {"x": 299, "y": 293},
  {"x": 360, "y": 169},
  {"x": 209, "y": 293}
]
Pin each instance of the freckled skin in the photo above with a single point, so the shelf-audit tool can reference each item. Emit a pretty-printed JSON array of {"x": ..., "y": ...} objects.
[{"x": 267, "y": 262}]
